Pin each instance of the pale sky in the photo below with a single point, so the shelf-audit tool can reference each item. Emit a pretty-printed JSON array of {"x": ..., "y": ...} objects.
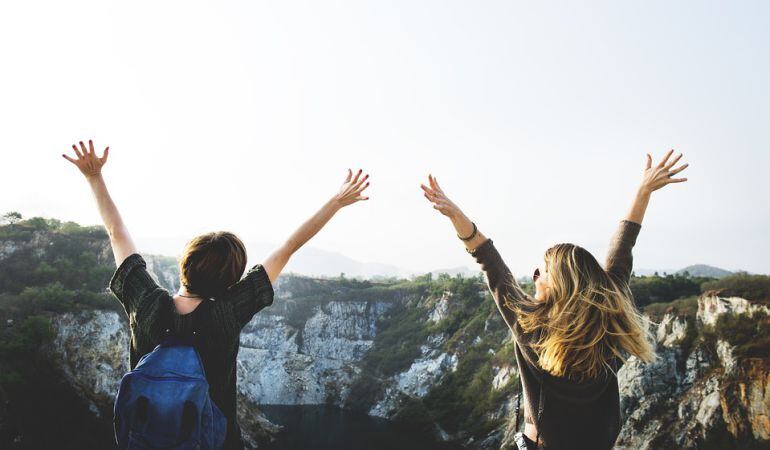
[{"x": 534, "y": 116}]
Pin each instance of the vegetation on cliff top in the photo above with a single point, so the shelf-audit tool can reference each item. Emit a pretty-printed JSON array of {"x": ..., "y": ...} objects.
[{"x": 61, "y": 272}]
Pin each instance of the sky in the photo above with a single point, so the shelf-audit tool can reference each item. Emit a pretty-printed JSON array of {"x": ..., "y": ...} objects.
[{"x": 534, "y": 116}]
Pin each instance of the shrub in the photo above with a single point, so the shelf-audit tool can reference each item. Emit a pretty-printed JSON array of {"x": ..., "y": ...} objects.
[{"x": 741, "y": 284}]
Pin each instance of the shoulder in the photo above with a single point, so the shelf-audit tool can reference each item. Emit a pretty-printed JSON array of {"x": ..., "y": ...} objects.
[
  {"x": 249, "y": 295},
  {"x": 131, "y": 281},
  {"x": 120, "y": 277},
  {"x": 254, "y": 282}
]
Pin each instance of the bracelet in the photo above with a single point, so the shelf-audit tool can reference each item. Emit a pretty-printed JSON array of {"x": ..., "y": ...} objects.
[{"x": 472, "y": 234}]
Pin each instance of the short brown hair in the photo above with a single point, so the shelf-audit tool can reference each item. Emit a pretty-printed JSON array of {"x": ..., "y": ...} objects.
[{"x": 211, "y": 263}]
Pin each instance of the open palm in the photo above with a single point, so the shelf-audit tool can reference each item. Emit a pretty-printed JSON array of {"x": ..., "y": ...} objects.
[
  {"x": 440, "y": 201},
  {"x": 351, "y": 189},
  {"x": 87, "y": 161},
  {"x": 655, "y": 177}
]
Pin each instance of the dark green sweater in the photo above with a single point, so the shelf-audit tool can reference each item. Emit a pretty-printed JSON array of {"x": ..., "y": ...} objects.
[
  {"x": 150, "y": 310},
  {"x": 583, "y": 415}
]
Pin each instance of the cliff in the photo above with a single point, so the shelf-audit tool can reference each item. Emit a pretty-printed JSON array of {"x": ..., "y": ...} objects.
[{"x": 431, "y": 354}]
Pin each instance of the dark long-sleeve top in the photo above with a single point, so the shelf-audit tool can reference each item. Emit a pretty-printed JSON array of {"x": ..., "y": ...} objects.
[
  {"x": 151, "y": 310},
  {"x": 575, "y": 415}
]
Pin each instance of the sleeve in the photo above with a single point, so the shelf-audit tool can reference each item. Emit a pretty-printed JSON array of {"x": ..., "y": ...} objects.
[
  {"x": 620, "y": 261},
  {"x": 131, "y": 282},
  {"x": 249, "y": 295},
  {"x": 505, "y": 290}
]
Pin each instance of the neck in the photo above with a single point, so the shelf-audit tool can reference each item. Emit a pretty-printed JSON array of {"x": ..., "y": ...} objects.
[{"x": 184, "y": 293}]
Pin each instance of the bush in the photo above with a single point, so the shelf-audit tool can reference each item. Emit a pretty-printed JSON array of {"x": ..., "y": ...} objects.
[
  {"x": 683, "y": 307},
  {"x": 656, "y": 289},
  {"x": 749, "y": 334},
  {"x": 741, "y": 284},
  {"x": 26, "y": 339}
]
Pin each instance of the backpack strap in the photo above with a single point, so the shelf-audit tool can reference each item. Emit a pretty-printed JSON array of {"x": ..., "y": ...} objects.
[{"x": 539, "y": 409}]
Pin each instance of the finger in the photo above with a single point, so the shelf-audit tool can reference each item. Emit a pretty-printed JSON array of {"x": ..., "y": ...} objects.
[
  {"x": 362, "y": 198},
  {"x": 83, "y": 147},
  {"x": 350, "y": 174},
  {"x": 677, "y": 180},
  {"x": 663, "y": 163},
  {"x": 91, "y": 146},
  {"x": 438, "y": 187},
  {"x": 357, "y": 185},
  {"x": 355, "y": 180},
  {"x": 649, "y": 161},
  {"x": 68, "y": 158},
  {"x": 426, "y": 189},
  {"x": 672, "y": 163},
  {"x": 679, "y": 169},
  {"x": 77, "y": 152},
  {"x": 432, "y": 181},
  {"x": 362, "y": 188},
  {"x": 105, "y": 155},
  {"x": 430, "y": 193}
]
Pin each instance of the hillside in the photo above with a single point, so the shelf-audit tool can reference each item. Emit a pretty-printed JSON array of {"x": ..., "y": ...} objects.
[{"x": 429, "y": 354}]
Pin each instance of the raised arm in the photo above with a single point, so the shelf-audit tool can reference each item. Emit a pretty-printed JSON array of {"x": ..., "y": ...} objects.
[
  {"x": 349, "y": 193},
  {"x": 501, "y": 282},
  {"x": 90, "y": 166},
  {"x": 619, "y": 257}
]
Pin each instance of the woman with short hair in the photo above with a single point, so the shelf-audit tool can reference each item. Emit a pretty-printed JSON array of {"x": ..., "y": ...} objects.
[{"x": 213, "y": 302}]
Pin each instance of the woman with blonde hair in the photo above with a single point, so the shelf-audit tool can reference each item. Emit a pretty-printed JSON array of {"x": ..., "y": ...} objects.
[{"x": 573, "y": 335}]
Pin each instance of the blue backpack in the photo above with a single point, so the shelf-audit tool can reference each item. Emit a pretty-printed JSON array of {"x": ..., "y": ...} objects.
[{"x": 164, "y": 402}]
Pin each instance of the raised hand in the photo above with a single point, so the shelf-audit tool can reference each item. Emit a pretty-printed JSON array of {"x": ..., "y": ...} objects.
[
  {"x": 465, "y": 229},
  {"x": 349, "y": 193},
  {"x": 662, "y": 174},
  {"x": 351, "y": 189},
  {"x": 87, "y": 161},
  {"x": 440, "y": 201}
]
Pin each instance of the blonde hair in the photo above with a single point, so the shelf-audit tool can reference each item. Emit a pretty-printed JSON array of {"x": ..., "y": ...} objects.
[
  {"x": 211, "y": 263},
  {"x": 587, "y": 319}
]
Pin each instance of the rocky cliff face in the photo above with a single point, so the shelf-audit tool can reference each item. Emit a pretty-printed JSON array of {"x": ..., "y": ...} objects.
[
  {"x": 309, "y": 349},
  {"x": 300, "y": 351},
  {"x": 312, "y": 362},
  {"x": 91, "y": 349},
  {"x": 698, "y": 393}
]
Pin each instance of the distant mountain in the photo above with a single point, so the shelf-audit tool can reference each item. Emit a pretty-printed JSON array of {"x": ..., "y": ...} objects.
[
  {"x": 696, "y": 270},
  {"x": 312, "y": 261},
  {"x": 308, "y": 261},
  {"x": 703, "y": 270}
]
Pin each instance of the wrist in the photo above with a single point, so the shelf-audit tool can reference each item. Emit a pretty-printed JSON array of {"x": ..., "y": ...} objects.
[
  {"x": 643, "y": 191},
  {"x": 334, "y": 204},
  {"x": 457, "y": 217}
]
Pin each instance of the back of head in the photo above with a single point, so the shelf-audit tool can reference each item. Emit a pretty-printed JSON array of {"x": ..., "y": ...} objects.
[
  {"x": 587, "y": 319},
  {"x": 211, "y": 263}
]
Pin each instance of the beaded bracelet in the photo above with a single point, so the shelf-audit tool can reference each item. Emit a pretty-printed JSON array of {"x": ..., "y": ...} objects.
[{"x": 471, "y": 236}]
